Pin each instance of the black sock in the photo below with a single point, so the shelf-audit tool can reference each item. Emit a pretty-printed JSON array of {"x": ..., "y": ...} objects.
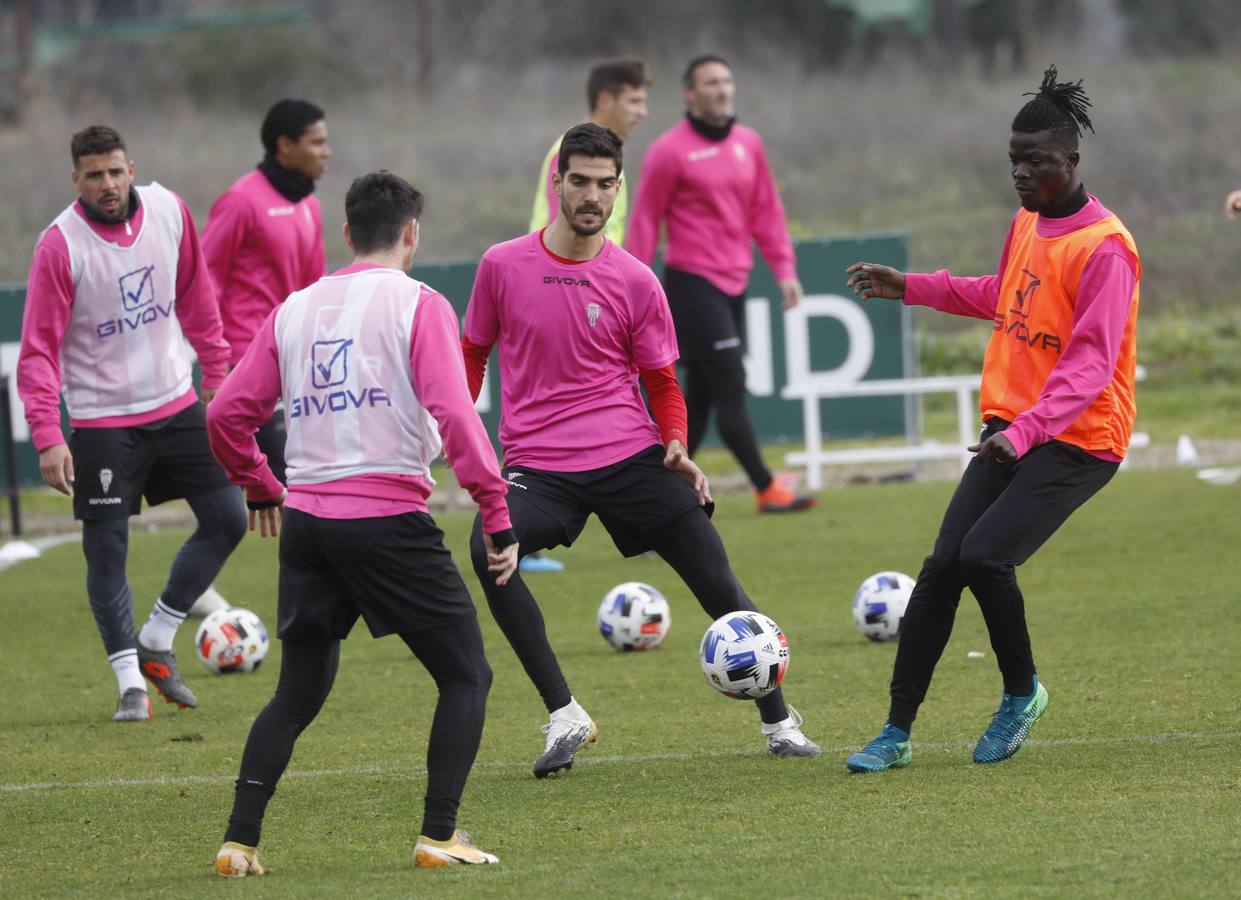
[{"x": 437, "y": 832}]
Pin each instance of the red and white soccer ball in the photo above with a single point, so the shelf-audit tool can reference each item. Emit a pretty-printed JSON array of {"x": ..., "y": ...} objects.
[
  {"x": 231, "y": 640},
  {"x": 744, "y": 655},
  {"x": 634, "y": 616}
]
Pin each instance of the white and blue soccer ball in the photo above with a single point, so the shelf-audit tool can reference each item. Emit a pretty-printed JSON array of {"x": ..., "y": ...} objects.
[
  {"x": 879, "y": 605},
  {"x": 634, "y": 616},
  {"x": 231, "y": 640},
  {"x": 744, "y": 655}
]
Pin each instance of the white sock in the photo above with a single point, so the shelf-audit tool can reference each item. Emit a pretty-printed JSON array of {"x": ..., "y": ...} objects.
[
  {"x": 125, "y": 665},
  {"x": 573, "y": 711},
  {"x": 778, "y": 726},
  {"x": 161, "y": 628}
]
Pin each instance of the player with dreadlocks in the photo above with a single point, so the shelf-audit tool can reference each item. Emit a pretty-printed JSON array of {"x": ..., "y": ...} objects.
[{"x": 1057, "y": 411}]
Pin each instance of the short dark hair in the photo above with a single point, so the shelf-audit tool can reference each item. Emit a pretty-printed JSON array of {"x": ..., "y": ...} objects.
[
  {"x": 1056, "y": 107},
  {"x": 93, "y": 140},
  {"x": 288, "y": 118},
  {"x": 610, "y": 75},
  {"x": 377, "y": 207},
  {"x": 687, "y": 79},
  {"x": 590, "y": 140}
]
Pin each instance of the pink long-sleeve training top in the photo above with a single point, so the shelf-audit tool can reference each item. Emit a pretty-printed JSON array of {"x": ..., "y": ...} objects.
[
  {"x": 50, "y": 294},
  {"x": 1089, "y": 359},
  {"x": 437, "y": 374},
  {"x": 260, "y": 247},
  {"x": 716, "y": 197}
]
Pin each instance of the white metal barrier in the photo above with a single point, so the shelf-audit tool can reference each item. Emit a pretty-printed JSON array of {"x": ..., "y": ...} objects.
[
  {"x": 815, "y": 457},
  {"x": 812, "y": 391}
]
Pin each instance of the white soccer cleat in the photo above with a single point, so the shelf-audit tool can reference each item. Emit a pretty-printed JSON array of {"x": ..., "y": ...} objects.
[
  {"x": 210, "y": 601},
  {"x": 456, "y": 851},
  {"x": 786, "y": 738},
  {"x": 237, "y": 861},
  {"x": 569, "y": 730}
]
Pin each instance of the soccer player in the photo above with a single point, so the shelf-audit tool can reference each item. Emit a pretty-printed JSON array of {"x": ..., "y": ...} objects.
[
  {"x": 264, "y": 240},
  {"x": 264, "y": 236},
  {"x": 578, "y": 320},
  {"x": 708, "y": 180},
  {"x": 117, "y": 283},
  {"x": 616, "y": 92},
  {"x": 1057, "y": 408},
  {"x": 367, "y": 363}
]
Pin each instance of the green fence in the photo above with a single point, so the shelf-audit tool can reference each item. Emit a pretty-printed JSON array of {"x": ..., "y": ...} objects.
[{"x": 830, "y": 333}]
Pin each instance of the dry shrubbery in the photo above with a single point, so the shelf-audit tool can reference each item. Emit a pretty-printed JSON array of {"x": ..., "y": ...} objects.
[{"x": 873, "y": 148}]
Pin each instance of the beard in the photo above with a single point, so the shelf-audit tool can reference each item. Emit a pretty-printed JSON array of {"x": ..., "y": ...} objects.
[
  {"x": 570, "y": 216},
  {"x": 108, "y": 218}
]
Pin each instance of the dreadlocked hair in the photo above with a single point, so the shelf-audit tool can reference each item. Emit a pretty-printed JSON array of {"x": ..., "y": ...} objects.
[{"x": 1057, "y": 106}]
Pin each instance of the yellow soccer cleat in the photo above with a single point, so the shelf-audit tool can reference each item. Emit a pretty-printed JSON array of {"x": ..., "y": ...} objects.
[
  {"x": 457, "y": 850},
  {"x": 237, "y": 861}
]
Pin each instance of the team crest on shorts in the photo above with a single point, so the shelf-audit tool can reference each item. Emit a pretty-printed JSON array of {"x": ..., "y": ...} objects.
[
  {"x": 105, "y": 479},
  {"x": 592, "y": 313}
]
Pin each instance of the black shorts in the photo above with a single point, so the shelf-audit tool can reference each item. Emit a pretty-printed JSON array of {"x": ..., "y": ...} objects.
[
  {"x": 707, "y": 320},
  {"x": 394, "y": 571},
  {"x": 633, "y": 498},
  {"x": 114, "y": 468}
]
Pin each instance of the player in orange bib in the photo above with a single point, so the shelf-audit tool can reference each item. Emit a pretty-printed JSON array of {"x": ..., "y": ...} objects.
[{"x": 1057, "y": 411}]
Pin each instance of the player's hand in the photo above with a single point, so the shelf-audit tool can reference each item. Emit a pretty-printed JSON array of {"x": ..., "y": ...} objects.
[
  {"x": 677, "y": 460},
  {"x": 269, "y": 519},
  {"x": 997, "y": 448},
  {"x": 1232, "y": 205},
  {"x": 208, "y": 394},
  {"x": 56, "y": 467},
  {"x": 502, "y": 562},
  {"x": 872, "y": 281},
  {"x": 791, "y": 289}
]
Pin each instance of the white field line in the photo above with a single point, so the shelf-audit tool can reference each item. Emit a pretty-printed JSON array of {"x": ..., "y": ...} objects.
[
  {"x": 42, "y": 543},
  {"x": 595, "y": 760}
]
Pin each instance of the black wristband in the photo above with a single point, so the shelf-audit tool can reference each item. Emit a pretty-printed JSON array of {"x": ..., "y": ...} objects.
[
  {"x": 256, "y": 505},
  {"x": 505, "y": 538}
]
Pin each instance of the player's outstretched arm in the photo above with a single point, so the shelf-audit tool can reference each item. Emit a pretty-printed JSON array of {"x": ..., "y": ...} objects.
[
  {"x": 872, "y": 281},
  {"x": 438, "y": 373}
]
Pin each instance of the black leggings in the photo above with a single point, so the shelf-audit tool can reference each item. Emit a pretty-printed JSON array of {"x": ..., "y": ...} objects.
[
  {"x": 710, "y": 326},
  {"x": 453, "y": 654},
  {"x": 221, "y": 516},
  {"x": 690, "y": 544},
  {"x": 999, "y": 516},
  {"x": 719, "y": 380}
]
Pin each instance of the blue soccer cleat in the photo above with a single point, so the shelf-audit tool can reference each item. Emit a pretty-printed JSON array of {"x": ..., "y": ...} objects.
[
  {"x": 888, "y": 751},
  {"x": 537, "y": 562},
  {"x": 1012, "y": 722}
]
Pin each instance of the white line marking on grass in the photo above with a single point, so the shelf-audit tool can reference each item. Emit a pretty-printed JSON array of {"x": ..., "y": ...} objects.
[
  {"x": 17, "y": 549},
  {"x": 589, "y": 760}
]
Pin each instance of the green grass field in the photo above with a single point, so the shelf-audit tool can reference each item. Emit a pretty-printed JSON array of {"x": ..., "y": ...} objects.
[{"x": 1130, "y": 785}]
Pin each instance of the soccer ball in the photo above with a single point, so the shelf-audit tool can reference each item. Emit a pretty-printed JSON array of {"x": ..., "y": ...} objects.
[
  {"x": 231, "y": 640},
  {"x": 879, "y": 605},
  {"x": 744, "y": 655},
  {"x": 634, "y": 616}
]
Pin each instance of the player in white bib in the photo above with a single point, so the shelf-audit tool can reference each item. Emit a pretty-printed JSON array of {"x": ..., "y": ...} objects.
[
  {"x": 117, "y": 287},
  {"x": 367, "y": 364}
]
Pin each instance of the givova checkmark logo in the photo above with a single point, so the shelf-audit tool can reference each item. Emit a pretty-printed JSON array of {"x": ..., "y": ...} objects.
[
  {"x": 138, "y": 288},
  {"x": 329, "y": 362}
]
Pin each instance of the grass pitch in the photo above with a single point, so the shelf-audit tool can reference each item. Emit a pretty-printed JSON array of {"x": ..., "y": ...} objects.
[{"x": 1130, "y": 784}]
